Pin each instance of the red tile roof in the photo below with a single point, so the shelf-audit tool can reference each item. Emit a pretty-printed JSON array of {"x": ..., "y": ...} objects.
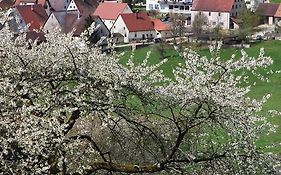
[
  {"x": 160, "y": 26},
  {"x": 212, "y": 5},
  {"x": 136, "y": 22},
  {"x": 278, "y": 12},
  {"x": 34, "y": 15},
  {"x": 110, "y": 10},
  {"x": 268, "y": 9},
  {"x": 5, "y": 4},
  {"x": 69, "y": 22}
]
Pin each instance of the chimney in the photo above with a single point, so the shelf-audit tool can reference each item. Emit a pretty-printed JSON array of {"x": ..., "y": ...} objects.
[{"x": 137, "y": 14}]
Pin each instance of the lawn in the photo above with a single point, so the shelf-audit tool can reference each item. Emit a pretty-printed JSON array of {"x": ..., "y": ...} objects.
[
  {"x": 275, "y": 1},
  {"x": 272, "y": 48}
]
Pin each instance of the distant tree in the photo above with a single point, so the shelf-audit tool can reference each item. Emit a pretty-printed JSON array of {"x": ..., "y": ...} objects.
[
  {"x": 161, "y": 48},
  {"x": 247, "y": 21},
  {"x": 179, "y": 29},
  {"x": 198, "y": 23}
]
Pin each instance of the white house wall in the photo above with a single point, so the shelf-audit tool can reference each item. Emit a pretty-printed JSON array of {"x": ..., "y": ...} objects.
[
  {"x": 214, "y": 18},
  {"x": 127, "y": 10},
  {"x": 72, "y": 6},
  {"x": 253, "y": 4},
  {"x": 163, "y": 34},
  {"x": 141, "y": 35},
  {"x": 120, "y": 27},
  {"x": 169, "y": 7},
  {"x": 52, "y": 24},
  {"x": 108, "y": 23}
]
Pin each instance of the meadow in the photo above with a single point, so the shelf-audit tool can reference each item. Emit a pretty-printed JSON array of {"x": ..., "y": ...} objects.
[{"x": 273, "y": 87}]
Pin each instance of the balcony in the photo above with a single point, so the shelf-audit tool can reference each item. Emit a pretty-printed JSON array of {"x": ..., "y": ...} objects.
[{"x": 184, "y": 2}]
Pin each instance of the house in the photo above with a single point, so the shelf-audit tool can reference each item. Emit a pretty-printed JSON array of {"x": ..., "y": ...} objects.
[
  {"x": 58, "y": 5},
  {"x": 109, "y": 12},
  {"x": 252, "y": 5},
  {"x": 30, "y": 2},
  {"x": 71, "y": 21},
  {"x": 84, "y": 7},
  {"x": 134, "y": 26},
  {"x": 6, "y": 4},
  {"x": 163, "y": 30},
  {"x": 170, "y": 6},
  {"x": 44, "y": 3},
  {"x": 28, "y": 18},
  {"x": 271, "y": 12},
  {"x": 218, "y": 12}
]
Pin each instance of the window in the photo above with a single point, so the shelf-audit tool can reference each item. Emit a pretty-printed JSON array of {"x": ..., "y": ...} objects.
[
  {"x": 150, "y": 6},
  {"x": 136, "y": 35},
  {"x": 236, "y": 6},
  {"x": 162, "y": 6},
  {"x": 123, "y": 28},
  {"x": 156, "y": 6},
  {"x": 171, "y": 6},
  {"x": 219, "y": 13},
  {"x": 181, "y": 7},
  {"x": 209, "y": 13},
  {"x": 151, "y": 35},
  {"x": 176, "y": 6},
  {"x": 186, "y": 7},
  {"x": 221, "y": 23}
]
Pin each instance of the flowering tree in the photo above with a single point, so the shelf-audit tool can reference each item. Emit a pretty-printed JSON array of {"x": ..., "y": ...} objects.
[{"x": 67, "y": 108}]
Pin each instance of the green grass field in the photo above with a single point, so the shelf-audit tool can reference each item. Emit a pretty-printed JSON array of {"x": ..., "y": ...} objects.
[
  {"x": 272, "y": 49},
  {"x": 275, "y": 1}
]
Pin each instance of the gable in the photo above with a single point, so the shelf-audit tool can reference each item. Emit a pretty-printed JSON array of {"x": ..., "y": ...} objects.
[
  {"x": 72, "y": 6},
  {"x": 52, "y": 23}
]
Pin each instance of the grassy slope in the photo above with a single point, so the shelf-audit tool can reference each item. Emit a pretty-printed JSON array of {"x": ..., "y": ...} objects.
[
  {"x": 272, "y": 48},
  {"x": 275, "y": 1}
]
